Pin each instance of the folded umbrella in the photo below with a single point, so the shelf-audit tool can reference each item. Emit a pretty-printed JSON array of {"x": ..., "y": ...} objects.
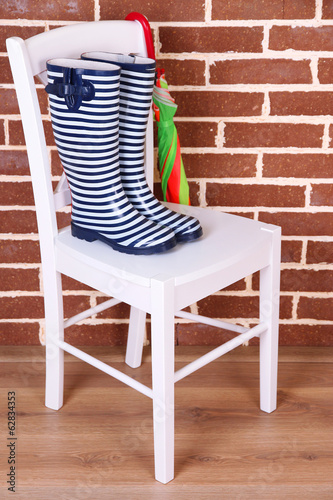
[{"x": 174, "y": 183}]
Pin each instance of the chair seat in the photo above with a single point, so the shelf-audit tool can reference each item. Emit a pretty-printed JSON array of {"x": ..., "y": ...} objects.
[{"x": 221, "y": 246}]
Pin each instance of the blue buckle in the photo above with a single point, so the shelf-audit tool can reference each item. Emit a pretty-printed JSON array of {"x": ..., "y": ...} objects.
[{"x": 72, "y": 88}]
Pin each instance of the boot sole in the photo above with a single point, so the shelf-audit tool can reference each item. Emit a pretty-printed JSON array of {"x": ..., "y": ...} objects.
[
  {"x": 89, "y": 235},
  {"x": 186, "y": 238}
]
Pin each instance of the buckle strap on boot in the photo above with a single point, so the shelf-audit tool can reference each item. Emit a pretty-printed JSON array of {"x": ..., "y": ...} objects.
[{"x": 72, "y": 88}]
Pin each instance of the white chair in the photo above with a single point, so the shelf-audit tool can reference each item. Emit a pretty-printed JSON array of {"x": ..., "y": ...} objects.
[{"x": 232, "y": 247}]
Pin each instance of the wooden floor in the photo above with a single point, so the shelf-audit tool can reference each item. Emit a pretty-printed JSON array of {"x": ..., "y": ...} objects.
[{"x": 100, "y": 446}]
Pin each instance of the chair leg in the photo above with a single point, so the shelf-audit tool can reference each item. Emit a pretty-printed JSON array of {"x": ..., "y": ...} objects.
[
  {"x": 269, "y": 313},
  {"x": 136, "y": 333},
  {"x": 162, "y": 319},
  {"x": 54, "y": 385}
]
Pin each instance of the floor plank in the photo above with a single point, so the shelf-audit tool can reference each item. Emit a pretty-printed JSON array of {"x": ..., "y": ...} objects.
[{"x": 99, "y": 445}]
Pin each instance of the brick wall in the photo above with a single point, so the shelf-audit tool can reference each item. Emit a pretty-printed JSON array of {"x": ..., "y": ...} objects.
[{"x": 253, "y": 83}]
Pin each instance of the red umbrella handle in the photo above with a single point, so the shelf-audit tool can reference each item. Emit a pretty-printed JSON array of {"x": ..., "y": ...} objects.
[{"x": 136, "y": 16}]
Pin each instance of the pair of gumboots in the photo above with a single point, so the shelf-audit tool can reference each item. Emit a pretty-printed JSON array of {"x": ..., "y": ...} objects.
[{"x": 99, "y": 111}]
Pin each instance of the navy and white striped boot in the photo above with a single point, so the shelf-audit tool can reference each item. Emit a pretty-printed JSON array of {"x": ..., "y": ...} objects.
[
  {"x": 84, "y": 103},
  {"x": 136, "y": 88}
]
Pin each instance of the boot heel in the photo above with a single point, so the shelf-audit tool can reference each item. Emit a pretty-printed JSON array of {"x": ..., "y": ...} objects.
[{"x": 83, "y": 234}]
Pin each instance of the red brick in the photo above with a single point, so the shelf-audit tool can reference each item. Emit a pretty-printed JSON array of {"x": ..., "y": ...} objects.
[
  {"x": 194, "y": 192},
  {"x": 5, "y": 72},
  {"x": 43, "y": 101},
  {"x": 56, "y": 163},
  {"x": 298, "y": 165},
  {"x": 14, "y": 162},
  {"x": 197, "y": 134},
  {"x": 309, "y": 335},
  {"x": 56, "y": 10},
  {"x": 19, "y": 251},
  {"x": 270, "y": 135},
  {"x": 319, "y": 252},
  {"x": 103, "y": 334},
  {"x": 225, "y": 306},
  {"x": 16, "y": 193},
  {"x": 199, "y": 334},
  {"x": 322, "y": 195},
  {"x": 235, "y": 195},
  {"x": 255, "y": 281},
  {"x": 71, "y": 284},
  {"x": 247, "y": 215},
  {"x": 211, "y": 39},
  {"x": 256, "y": 71},
  {"x": 48, "y": 133},
  {"x": 183, "y": 72},
  {"x": 291, "y": 251},
  {"x": 210, "y": 165},
  {"x": 239, "y": 285},
  {"x": 18, "y": 221},
  {"x": 301, "y": 103},
  {"x": 2, "y": 132},
  {"x": 16, "y": 136},
  {"x": 63, "y": 219},
  {"x": 74, "y": 304},
  {"x": 155, "y": 10},
  {"x": 10, "y": 105},
  {"x": 299, "y": 9},
  {"x": 306, "y": 280},
  {"x": 286, "y": 307},
  {"x": 119, "y": 311},
  {"x": 315, "y": 308},
  {"x": 215, "y": 103},
  {"x": 19, "y": 333},
  {"x": 19, "y": 279},
  {"x": 301, "y": 224},
  {"x": 20, "y": 31},
  {"x": 21, "y": 307},
  {"x": 301, "y": 38},
  {"x": 261, "y": 9},
  {"x": 327, "y": 9},
  {"x": 194, "y": 188},
  {"x": 8, "y": 102},
  {"x": 325, "y": 70}
]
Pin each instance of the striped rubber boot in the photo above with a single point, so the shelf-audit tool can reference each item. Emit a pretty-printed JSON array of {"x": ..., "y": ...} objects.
[
  {"x": 84, "y": 103},
  {"x": 136, "y": 88}
]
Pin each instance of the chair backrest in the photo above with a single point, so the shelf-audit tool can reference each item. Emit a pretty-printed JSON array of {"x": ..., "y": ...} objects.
[{"x": 28, "y": 60}]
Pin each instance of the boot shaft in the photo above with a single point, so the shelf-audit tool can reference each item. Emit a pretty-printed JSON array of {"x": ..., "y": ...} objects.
[
  {"x": 84, "y": 103},
  {"x": 136, "y": 88}
]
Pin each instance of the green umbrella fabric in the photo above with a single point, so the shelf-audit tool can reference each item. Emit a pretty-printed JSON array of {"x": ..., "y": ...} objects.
[{"x": 174, "y": 183}]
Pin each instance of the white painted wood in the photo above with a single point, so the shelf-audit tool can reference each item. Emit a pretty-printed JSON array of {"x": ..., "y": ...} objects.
[
  {"x": 163, "y": 340},
  {"x": 269, "y": 313},
  {"x": 89, "y": 312},
  {"x": 62, "y": 195},
  {"x": 106, "y": 368},
  {"x": 54, "y": 333},
  {"x": 46, "y": 220},
  {"x": 232, "y": 247},
  {"x": 212, "y": 322},
  {"x": 222, "y": 248},
  {"x": 256, "y": 331},
  {"x": 136, "y": 334},
  {"x": 74, "y": 39}
]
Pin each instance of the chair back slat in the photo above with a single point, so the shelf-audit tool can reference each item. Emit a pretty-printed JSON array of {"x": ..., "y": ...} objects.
[{"x": 28, "y": 60}]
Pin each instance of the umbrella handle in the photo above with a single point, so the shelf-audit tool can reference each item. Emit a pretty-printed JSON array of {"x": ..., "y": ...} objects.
[{"x": 136, "y": 16}]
